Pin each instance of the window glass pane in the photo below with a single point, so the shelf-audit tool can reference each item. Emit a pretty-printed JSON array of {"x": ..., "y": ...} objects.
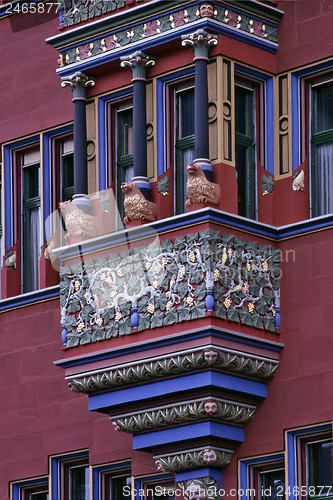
[
  {"x": 125, "y": 132},
  {"x": 320, "y": 465},
  {"x": 31, "y": 181},
  {"x": 79, "y": 483},
  {"x": 244, "y": 151},
  {"x": 244, "y": 111},
  {"x": 323, "y": 96},
  {"x": 272, "y": 485},
  {"x": 322, "y": 178},
  {"x": 67, "y": 172},
  {"x": 185, "y": 113},
  {"x": 39, "y": 496}
]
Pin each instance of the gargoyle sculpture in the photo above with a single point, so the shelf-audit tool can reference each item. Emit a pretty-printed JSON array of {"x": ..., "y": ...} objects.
[
  {"x": 198, "y": 188},
  {"x": 136, "y": 206}
]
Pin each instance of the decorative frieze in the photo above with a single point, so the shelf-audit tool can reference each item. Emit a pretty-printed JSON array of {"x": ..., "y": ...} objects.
[
  {"x": 81, "y": 11},
  {"x": 187, "y": 411},
  {"x": 211, "y": 456},
  {"x": 170, "y": 282},
  {"x": 173, "y": 364}
]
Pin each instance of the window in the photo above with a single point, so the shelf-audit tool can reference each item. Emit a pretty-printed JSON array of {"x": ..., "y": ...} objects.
[
  {"x": 30, "y": 179},
  {"x": 322, "y": 148},
  {"x": 112, "y": 481},
  {"x": 121, "y": 149},
  {"x": 70, "y": 476},
  {"x": 114, "y": 485},
  {"x": 30, "y": 489},
  {"x": 245, "y": 147},
  {"x": 76, "y": 481},
  {"x": 160, "y": 491},
  {"x": 184, "y": 140},
  {"x": 271, "y": 484},
  {"x": 319, "y": 469},
  {"x": 65, "y": 155}
]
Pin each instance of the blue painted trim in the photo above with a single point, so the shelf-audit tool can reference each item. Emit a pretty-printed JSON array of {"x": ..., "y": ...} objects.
[
  {"x": 17, "y": 487},
  {"x": 295, "y": 121},
  {"x": 170, "y": 340},
  {"x": 269, "y": 112},
  {"x": 55, "y": 470},
  {"x": 139, "y": 483},
  {"x": 183, "y": 433},
  {"x": 296, "y": 109},
  {"x": 291, "y": 445},
  {"x": 194, "y": 474},
  {"x": 96, "y": 476},
  {"x": 178, "y": 384},
  {"x": 30, "y": 298},
  {"x": 161, "y": 83},
  {"x": 244, "y": 469},
  {"x": 103, "y": 103},
  {"x": 8, "y": 185},
  {"x": 47, "y": 167},
  {"x": 269, "y": 118}
]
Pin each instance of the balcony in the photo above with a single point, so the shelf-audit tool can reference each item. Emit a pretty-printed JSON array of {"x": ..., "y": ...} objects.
[{"x": 171, "y": 329}]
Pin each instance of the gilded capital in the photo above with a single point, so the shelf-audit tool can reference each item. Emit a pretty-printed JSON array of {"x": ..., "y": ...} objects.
[
  {"x": 138, "y": 62},
  {"x": 200, "y": 41},
  {"x": 79, "y": 82}
]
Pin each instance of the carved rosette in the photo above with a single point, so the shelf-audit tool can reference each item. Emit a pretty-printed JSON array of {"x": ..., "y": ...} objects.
[
  {"x": 187, "y": 411},
  {"x": 173, "y": 364},
  {"x": 200, "y": 41},
  {"x": 192, "y": 459},
  {"x": 79, "y": 82},
  {"x": 203, "y": 488}
]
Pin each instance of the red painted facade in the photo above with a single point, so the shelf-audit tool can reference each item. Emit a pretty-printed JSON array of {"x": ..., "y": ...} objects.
[{"x": 40, "y": 416}]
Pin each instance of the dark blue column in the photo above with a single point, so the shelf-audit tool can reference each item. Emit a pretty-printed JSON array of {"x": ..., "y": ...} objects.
[
  {"x": 79, "y": 82},
  {"x": 201, "y": 41},
  {"x": 201, "y": 148},
  {"x": 139, "y": 62}
]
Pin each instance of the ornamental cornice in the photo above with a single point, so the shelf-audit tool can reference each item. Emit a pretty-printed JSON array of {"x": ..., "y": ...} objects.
[
  {"x": 173, "y": 364},
  {"x": 184, "y": 412},
  {"x": 211, "y": 456},
  {"x": 226, "y": 19}
]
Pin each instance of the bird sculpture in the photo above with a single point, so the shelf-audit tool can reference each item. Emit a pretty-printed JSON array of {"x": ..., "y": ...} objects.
[
  {"x": 298, "y": 184},
  {"x": 198, "y": 188},
  {"x": 136, "y": 206}
]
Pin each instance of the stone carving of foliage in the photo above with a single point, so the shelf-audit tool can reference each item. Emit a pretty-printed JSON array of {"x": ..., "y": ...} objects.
[{"x": 168, "y": 282}]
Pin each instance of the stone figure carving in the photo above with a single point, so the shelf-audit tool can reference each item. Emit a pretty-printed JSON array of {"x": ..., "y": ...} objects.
[
  {"x": 136, "y": 206},
  {"x": 206, "y": 10},
  {"x": 78, "y": 223},
  {"x": 198, "y": 188},
  {"x": 209, "y": 456},
  {"x": 211, "y": 356}
]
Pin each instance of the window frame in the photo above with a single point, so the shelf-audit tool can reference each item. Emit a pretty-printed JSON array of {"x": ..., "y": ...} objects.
[
  {"x": 101, "y": 473},
  {"x": 182, "y": 145},
  {"x": 60, "y": 466},
  {"x": 317, "y": 138},
  {"x": 20, "y": 489},
  {"x": 249, "y": 141}
]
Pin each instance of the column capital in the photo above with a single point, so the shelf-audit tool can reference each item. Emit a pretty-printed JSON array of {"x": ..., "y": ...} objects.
[
  {"x": 200, "y": 41},
  {"x": 79, "y": 82},
  {"x": 138, "y": 62}
]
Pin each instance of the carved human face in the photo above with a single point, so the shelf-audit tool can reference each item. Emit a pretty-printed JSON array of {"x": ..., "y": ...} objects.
[
  {"x": 206, "y": 10},
  {"x": 195, "y": 492},
  {"x": 209, "y": 456},
  {"x": 210, "y": 407},
  {"x": 210, "y": 357}
]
